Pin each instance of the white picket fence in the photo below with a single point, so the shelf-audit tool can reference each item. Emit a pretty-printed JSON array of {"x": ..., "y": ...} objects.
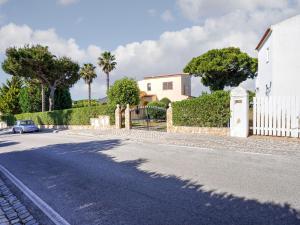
[{"x": 276, "y": 116}]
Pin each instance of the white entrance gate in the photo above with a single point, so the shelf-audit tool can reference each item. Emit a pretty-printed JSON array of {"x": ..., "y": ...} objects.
[{"x": 276, "y": 116}]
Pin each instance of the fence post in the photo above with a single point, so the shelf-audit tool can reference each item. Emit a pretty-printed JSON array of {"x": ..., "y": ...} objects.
[
  {"x": 169, "y": 118},
  {"x": 239, "y": 107},
  {"x": 118, "y": 117},
  {"x": 127, "y": 118}
]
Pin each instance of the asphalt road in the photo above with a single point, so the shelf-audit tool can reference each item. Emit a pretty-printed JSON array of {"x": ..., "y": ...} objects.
[{"x": 113, "y": 181}]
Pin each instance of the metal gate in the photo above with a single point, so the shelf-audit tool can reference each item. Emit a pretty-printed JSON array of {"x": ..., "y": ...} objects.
[{"x": 149, "y": 118}]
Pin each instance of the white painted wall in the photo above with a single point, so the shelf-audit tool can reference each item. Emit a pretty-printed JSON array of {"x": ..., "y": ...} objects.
[
  {"x": 180, "y": 83},
  {"x": 265, "y": 62},
  {"x": 283, "y": 68}
]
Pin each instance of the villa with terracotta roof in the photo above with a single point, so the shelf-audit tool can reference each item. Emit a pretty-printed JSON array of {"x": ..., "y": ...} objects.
[{"x": 175, "y": 87}]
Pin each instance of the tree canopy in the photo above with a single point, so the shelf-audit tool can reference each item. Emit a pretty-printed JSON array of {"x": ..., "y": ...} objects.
[
  {"x": 88, "y": 74},
  {"x": 108, "y": 63},
  {"x": 124, "y": 91},
  {"x": 219, "y": 68},
  {"x": 37, "y": 62},
  {"x": 9, "y": 96}
]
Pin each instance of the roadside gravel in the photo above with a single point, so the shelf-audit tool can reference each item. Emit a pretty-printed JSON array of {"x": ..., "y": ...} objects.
[{"x": 254, "y": 144}]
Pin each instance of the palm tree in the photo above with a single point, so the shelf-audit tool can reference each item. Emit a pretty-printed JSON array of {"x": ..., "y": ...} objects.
[
  {"x": 107, "y": 63},
  {"x": 88, "y": 74}
]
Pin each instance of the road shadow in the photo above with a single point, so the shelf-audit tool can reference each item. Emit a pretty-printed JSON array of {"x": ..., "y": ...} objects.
[
  {"x": 89, "y": 187},
  {"x": 7, "y": 143}
]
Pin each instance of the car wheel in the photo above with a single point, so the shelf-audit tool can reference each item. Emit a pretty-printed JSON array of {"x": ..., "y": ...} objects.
[
  {"x": 21, "y": 131},
  {"x": 13, "y": 130}
]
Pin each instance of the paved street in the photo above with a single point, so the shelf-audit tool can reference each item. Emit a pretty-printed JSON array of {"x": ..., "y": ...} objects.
[{"x": 90, "y": 180}]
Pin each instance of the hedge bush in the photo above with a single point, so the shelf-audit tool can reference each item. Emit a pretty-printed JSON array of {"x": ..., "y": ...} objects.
[
  {"x": 84, "y": 103},
  {"x": 157, "y": 110},
  {"x": 208, "y": 110},
  {"x": 166, "y": 101},
  {"x": 76, "y": 116}
]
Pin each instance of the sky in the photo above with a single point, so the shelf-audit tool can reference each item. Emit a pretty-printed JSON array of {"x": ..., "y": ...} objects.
[{"x": 147, "y": 37}]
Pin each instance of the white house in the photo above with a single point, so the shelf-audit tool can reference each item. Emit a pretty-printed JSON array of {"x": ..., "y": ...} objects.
[
  {"x": 279, "y": 60},
  {"x": 175, "y": 87}
]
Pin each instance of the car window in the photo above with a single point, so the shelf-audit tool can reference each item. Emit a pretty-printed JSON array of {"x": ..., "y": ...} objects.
[{"x": 26, "y": 122}]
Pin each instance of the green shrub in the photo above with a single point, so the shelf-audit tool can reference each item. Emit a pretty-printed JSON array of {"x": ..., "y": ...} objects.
[
  {"x": 124, "y": 91},
  {"x": 209, "y": 110},
  {"x": 9, "y": 119},
  {"x": 77, "y": 116},
  {"x": 166, "y": 101},
  {"x": 251, "y": 96},
  {"x": 84, "y": 103},
  {"x": 157, "y": 110}
]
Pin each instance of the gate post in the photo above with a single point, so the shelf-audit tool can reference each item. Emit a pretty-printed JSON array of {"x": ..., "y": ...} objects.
[
  {"x": 3, "y": 124},
  {"x": 169, "y": 118},
  {"x": 118, "y": 117},
  {"x": 239, "y": 107},
  {"x": 127, "y": 118}
]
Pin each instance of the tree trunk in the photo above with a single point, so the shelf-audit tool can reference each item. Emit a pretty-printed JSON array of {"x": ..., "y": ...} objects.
[
  {"x": 51, "y": 98},
  {"x": 89, "y": 84},
  {"x": 107, "y": 83},
  {"x": 43, "y": 97}
]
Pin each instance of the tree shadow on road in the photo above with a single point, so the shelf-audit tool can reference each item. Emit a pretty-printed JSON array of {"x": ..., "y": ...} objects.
[
  {"x": 7, "y": 143},
  {"x": 89, "y": 187}
]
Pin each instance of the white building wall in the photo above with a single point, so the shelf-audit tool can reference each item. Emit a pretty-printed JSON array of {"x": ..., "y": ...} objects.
[
  {"x": 286, "y": 66},
  {"x": 283, "y": 69},
  {"x": 265, "y": 62},
  {"x": 176, "y": 94}
]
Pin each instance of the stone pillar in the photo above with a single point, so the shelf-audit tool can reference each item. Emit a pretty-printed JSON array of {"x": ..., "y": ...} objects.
[
  {"x": 3, "y": 124},
  {"x": 127, "y": 118},
  {"x": 239, "y": 107},
  {"x": 169, "y": 118},
  {"x": 118, "y": 117}
]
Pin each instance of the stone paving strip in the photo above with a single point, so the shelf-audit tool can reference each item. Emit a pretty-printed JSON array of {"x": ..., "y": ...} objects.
[
  {"x": 12, "y": 211},
  {"x": 253, "y": 144}
]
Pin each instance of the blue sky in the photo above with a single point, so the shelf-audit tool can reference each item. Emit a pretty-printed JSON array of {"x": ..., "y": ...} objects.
[
  {"x": 104, "y": 23},
  {"x": 147, "y": 37}
]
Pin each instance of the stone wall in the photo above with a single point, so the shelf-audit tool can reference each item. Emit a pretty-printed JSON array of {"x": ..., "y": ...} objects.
[
  {"x": 3, "y": 125},
  {"x": 63, "y": 127},
  {"x": 200, "y": 130},
  {"x": 100, "y": 122}
]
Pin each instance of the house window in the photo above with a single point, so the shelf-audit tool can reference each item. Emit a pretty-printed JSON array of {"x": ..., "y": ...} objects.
[
  {"x": 268, "y": 55},
  {"x": 167, "y": 85},
  {"x": 148, "y": 86}
]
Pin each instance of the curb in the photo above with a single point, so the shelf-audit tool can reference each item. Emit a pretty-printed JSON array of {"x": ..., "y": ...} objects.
[{"x": 43, "y": 206}]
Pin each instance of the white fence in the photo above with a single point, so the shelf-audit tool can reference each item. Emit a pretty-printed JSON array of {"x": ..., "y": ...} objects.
[{"x": 276, "y": 116}]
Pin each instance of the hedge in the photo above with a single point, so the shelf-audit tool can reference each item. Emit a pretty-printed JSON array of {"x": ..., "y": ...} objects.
[
  {"x": 76, "y": 116},
  {"x": 157, "y": 110},
  {"x": 208, "y": 110}
]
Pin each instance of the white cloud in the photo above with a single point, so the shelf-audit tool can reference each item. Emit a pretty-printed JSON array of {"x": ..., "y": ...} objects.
[
  {"x": 3, "y": 1},
  {"x": 67, "y": 2},
  {"x": 167, "y": 16},
  {"x": 151, "y": 12},
  {"x": 14, "y": 35},
  {"x": 197, "y": 9},
  {"x": 168, "y": 54}
]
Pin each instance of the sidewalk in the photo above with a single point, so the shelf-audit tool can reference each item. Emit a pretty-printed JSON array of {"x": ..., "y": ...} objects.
[
  {"x": 12, "y": 211},
  {"x": 253, "y": 144}
]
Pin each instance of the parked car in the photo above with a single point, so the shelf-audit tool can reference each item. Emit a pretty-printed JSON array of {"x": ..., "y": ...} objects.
[{"x": 22, "y": 126}]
